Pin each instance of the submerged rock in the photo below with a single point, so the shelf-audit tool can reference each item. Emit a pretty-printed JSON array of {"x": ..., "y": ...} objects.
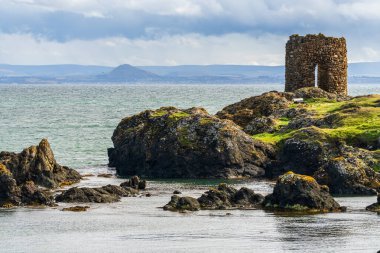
[
  {"x": 294, "y": 192},
  {"x": 22, "y": 176},
  {"x": 104, "y": 194},
  {"x": 222, "y": 197},
  {"x": 135, "y": 183},
  {"x": 182, "y": 204},
  {"x": 375, "y": 207},
  {"x": 76, "y": 208},
  {"x": 226, "y": 197},
  {"x": 174, "y": 143}
]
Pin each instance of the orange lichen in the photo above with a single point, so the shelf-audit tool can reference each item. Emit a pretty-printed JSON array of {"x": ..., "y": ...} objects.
[{"x": 4, "y": 170}]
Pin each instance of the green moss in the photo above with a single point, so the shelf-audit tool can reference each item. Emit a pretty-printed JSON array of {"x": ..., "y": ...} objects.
[
  {"x": 361, "y": 126},
  {"x": 357, "y": 122},
  {"x": 184, "y": 138},
  {"x": 159, "y": 113},
  {"x": 178, "y": 115},
  {"x": 272, "y": 138},
  {"x": 205, "y": 121},
  {"x": 322, "y": 106}
]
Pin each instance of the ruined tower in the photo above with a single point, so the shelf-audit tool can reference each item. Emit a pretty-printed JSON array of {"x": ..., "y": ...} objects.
[{"x": 306, "y": 54}]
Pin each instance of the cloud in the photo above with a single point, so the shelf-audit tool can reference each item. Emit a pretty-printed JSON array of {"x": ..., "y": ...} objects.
[
  {"x": 168, "y": 50},
  {"x": 163, "y": 24}
]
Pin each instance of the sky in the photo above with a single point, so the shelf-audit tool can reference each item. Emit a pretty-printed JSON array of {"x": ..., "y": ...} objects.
[{"x": 179, "y": 32}]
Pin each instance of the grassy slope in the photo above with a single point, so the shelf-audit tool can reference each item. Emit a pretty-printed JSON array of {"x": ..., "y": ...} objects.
[{"x": 359, "y": 120}]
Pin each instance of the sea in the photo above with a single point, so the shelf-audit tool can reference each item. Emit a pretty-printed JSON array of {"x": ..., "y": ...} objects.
[{"x": 79, "y": 120}]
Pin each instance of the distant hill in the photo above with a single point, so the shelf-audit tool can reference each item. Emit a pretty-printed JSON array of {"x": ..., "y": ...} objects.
[
  {"x": 216, "y": 70},
  {"x": 127, "y": 72},
  {"x": 365, "y": 72}
]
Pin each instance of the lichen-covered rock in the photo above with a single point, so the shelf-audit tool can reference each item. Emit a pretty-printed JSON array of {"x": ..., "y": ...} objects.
[
  {"x": 32, "y": 195},
  {"x": 315, "y": 92},
  {"x": 174, "y": 143},
  {"x": 182, "y": 204},
  {"x": 344, "y": 169},
  {"x": 104, "y": 194},
  {"x": 135, "y": 183},
  {"x": 222, "y": 197},
  {"x": 375, "y": 207},
  {"x": 22, "y": 176},
  {"x": 37, "y": 164},
  {"x": 260, "y": 125},
  {"x": 225, "y": 197},
  {"x": 10, "y": 193},
  {"x": 247, "y": 110},
  {"x": 294, "y": 192}
]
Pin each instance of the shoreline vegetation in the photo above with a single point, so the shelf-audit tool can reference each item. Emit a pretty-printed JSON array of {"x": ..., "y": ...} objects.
[{"x": 325, "y": 144}]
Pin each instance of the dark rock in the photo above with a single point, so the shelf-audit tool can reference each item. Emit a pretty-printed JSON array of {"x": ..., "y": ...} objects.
[
  {"x": 222, "y": 197},
  {"x": 135, "y": 183},
  {"x": 173, "y": 143},
  {"x": 249, "y": 109},
  {"x": 315, "y": 92},
  {"x": 21, "y": 176},
  {"x": 247, "y": 198},
  {"x": 32, "y": 195},
  {"x": 294, "y": 192},
  {"x": 37, "y": 164},
  {"x": 10, "y": 193},
  {"x": 76, "y": 208},
  {"x": 225, "y": 197},
  {"x": 177, "y": 192},
  {"x": 375, "y": 207},
  {"x": 260, "y": 125},
  {"x": 104, "y": 194},
  {"x": 105, "y": 175},
  {"x": 182, "y": 204},
  {"x": 344, "y": 169}
]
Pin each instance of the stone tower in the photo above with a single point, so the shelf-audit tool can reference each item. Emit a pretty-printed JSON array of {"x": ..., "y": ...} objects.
[{"x": 305, "y": 54}]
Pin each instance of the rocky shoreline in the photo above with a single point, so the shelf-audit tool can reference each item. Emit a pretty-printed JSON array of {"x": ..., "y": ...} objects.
[
  {"x": 333, "y": 138},
  {"x": 327, "y": 144}
]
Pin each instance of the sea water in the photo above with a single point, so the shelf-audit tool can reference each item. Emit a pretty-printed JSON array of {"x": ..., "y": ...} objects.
[{"x": 79, "y": 120}]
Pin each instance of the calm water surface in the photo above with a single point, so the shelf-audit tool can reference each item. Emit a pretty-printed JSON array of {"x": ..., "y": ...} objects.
[{"x": 79, "y": 121}]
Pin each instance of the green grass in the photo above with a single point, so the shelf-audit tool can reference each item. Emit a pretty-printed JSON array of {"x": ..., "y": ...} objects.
[
  {"x": 358, "y": 122},
  {"x": 272, "y": 138},
  {"x": 159, "y": 113},
  {"x": 178, "y": 115}
]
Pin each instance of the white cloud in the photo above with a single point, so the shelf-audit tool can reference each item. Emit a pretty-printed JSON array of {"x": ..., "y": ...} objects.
[
  {"x": 169, "y": 50},
  {"x": 187, "y": 31}
]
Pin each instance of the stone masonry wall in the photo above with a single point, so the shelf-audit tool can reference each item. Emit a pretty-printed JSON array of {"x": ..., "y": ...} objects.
[{"x": 305, "y": 53}]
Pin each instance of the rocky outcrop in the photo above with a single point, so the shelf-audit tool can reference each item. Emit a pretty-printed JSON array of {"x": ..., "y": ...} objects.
[
  {"x": 174, "y": 143},
  {"x": 37, "y": 164},
  {"x": 375, "y": 207},
  {"x": 330, "y": 136},
  {"x": 225, "y": 197},
  {"x": 258, "y": 114},
  {"x": 104, "y": 194},
  {"x": 247, "y": 112},
  {"x": 220, "y": 198},
  {"x": 22, "y": 176},
  {"x": 344, "y": 169},
  {"x": 294, "y": 192}
]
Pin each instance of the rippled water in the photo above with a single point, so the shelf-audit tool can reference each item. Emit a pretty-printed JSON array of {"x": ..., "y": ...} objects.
[{"x": 79, "y": 121}]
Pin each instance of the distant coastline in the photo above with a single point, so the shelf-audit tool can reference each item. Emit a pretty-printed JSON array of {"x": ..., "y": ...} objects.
[{"x": 358, "y": 73}]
